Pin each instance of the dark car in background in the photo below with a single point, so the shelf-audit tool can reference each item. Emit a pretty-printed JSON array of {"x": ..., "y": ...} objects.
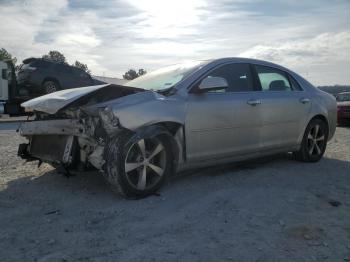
[
  {"x": 343, "y": 106},
  {"x": 39, "y": 76}
]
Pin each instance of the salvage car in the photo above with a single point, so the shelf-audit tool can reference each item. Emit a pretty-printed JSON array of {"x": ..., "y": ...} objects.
[
  {"x": 182, "y": 116},
  {"x": 343, "y": 106},
  {"x": 39, "y": 76}
]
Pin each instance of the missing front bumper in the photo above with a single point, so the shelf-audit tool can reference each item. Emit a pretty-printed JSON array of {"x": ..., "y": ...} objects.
[
  {"x": 49, "y": 148},
  {"x": 68, "y": 142}
]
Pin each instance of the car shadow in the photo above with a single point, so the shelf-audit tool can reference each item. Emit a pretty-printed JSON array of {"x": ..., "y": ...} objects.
[
  {"x": 52, "y": 186},
  {"x": 251, "y": 164},
  {"x": 345, "y": 124}
]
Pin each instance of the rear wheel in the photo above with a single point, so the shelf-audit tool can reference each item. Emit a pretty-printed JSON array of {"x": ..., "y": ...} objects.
[
  {"x": 314, "y": 141},
  {"x": 137, "y": 166},
  {"x": 50, "y": 87}
]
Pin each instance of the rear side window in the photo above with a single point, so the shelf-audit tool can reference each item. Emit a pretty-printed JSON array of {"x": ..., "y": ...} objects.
[
  {"x": 63, "y": 68},
  {"x": 238, "y": 77},
  {"x": 272, "y": 79},
  {"x": 80, "y": 73},
  {"x": 84, "y": 75},
  {"x": 33, "y": 64},
  {"x": 40, "y": 64}
]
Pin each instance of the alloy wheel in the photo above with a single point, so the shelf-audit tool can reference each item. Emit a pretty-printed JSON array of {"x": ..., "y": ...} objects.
[
  {"x": 316, "y": 140},
  {"x": 50, "y": 87},
  {"x": 145, "y": 163}
]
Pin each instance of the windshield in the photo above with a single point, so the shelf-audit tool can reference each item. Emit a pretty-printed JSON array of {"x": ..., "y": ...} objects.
[
  {"x": 343, "y": 97},
  {"x": 165, "y": 77}
]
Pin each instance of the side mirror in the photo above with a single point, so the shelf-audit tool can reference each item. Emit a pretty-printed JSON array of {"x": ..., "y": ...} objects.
[{"x": 212, "y": 83}]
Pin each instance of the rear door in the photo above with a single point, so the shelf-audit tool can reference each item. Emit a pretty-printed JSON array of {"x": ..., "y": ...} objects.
[
  {"x": 284, "y": 107},
  {"x": 221, "y": 123}
]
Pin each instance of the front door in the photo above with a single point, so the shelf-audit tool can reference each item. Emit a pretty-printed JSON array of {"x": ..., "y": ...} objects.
[{"x": 223, "y": 122}]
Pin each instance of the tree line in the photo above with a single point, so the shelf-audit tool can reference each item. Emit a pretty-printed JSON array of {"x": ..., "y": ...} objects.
[{"x": 58, "y": 57}]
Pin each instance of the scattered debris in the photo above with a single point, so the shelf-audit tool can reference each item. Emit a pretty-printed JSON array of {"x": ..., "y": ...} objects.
[
  {"x": 282, "y": 223},
  {"x": 57, "y": 211},
  {"x": 334, "y": 203},
  {"x": 51, "y": 241},
  {"x": 307, "y": 237},
  {"x": 64, "y": 171},
  {"x": 306, "y": 232}
]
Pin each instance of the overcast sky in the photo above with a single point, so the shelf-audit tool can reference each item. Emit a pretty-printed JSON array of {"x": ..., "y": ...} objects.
[{"x": 111, "y": 36}]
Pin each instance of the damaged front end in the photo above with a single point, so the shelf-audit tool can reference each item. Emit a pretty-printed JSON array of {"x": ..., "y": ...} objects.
[{"x": 73, "y": 137}]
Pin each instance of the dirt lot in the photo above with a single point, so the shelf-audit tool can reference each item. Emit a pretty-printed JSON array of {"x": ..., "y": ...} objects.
[{"x": 272, "y": 209}]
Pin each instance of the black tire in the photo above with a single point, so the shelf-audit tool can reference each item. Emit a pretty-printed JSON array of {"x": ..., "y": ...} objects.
[
  {"x": 120, "y": 149},
  {"x": 50, "y": 86},
  {"x": 314, "y": 141}
]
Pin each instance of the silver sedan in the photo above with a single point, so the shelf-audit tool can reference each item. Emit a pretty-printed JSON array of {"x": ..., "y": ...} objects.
[{"x": 182, "y": 116}]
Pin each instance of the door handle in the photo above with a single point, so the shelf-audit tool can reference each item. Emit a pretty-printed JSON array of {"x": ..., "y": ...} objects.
[
  {"x": 304, "y": 100},
  {"x": 253, "y": 102}
]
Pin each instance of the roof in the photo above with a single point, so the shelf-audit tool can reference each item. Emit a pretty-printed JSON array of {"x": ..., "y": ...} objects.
[{"x": 31, "y": 59}]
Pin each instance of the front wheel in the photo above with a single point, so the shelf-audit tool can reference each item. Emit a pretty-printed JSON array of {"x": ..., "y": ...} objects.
[
  {"x": 314, "y": 141},
  {"x": 137, "y": 166}
]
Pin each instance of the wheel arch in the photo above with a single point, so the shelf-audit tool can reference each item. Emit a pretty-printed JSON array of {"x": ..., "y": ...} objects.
[
  {"x": 325, "y": 120},
  {"x": 171, "y": 126},
  {"x": 303, "y": 153},
  {"x": 315, "y": 116},
  {"x": 174, "y": 131},
  {"x": 321, "y": 117}
]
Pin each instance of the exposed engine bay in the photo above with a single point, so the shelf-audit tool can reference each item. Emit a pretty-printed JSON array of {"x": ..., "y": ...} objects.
[{"x": 71, "y": 136}]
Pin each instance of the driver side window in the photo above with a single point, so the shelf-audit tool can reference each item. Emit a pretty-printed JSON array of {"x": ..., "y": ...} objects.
[{"x": 238, "y": 77}]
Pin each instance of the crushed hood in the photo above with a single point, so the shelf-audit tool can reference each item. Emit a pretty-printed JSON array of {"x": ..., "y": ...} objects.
[{"x": 52, "y": 103}]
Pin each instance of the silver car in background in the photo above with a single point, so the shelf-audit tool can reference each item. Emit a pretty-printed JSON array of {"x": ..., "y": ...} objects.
[{"x": 183, "y": 116}]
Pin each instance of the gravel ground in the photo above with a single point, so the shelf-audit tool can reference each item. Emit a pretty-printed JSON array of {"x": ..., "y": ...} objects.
[{"x": 271, "y": 209}]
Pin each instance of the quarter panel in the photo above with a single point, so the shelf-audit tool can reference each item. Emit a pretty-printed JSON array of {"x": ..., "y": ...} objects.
[
  {"x": 283, "y": 116},
  {"x": 324, "y": 104}
]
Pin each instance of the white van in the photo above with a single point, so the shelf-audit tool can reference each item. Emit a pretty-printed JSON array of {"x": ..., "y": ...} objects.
[
  {"x": 10, "y": 100},
  {"x": 4, "y": 90}
]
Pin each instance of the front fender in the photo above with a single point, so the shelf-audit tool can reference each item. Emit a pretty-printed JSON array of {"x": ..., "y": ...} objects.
[{"x": 148, "y": 112}]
